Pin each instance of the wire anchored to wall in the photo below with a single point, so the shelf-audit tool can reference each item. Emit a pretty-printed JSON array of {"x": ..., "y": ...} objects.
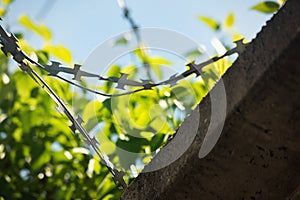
[{"x": 10, "y": 46}]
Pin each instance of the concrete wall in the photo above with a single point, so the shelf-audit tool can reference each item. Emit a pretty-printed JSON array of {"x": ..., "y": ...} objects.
[{"x": 258, "y": 153}]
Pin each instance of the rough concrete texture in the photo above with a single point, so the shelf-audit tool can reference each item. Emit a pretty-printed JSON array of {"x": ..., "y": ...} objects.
[{"x": 258, "y": 153}]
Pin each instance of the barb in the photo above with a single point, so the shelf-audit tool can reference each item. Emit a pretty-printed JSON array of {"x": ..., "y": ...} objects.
[{"x": 9, "y": 45}]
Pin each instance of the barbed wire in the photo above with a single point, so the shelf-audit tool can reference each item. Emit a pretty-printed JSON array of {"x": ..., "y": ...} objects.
[
  {"x": 9, "y": 45},
  {"x": 122, "y": 81},
  {"x": 54, "y": 69}
]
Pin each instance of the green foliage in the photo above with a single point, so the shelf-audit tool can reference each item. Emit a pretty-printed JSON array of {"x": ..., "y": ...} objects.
[
  {"x": 266, "y": 7},
  {"x": 226, "y": 27},
  {"x": 194, "y": 53},
  {"x": 40, "y": 29},
  {"x": 121, "y": 41},
  {"x": 59, "y": 51},
  {"x": 229, "y": 21},
  {"x": 39, "y": 156},
  {"x": 4, "y": 9},
  {"x": 7, "y": 2},
  {"x": 2, "y": 12},
  {"x": 215, "y": 25}
]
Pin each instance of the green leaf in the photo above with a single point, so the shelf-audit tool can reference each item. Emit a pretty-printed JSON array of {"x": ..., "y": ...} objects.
[
  {"x": 193, "y": 53},
  {"x": 141, "y": 116},
  {"x": 210, "y": 22},
  {"x": 266, "y": 7},
  {"x": 157, "y": 141},
  {"x": 108, "y": 147},
  {"x": 114, "y": 71},
  {"x": 89, "y": 114},
  {"x": 41, "y": 160},
  {"x": 237, "y": 36},
  {"x": 229, "y": 21},
  {"x": 2, "y": 12},
  {"x": 121, "y": 41},
  {"x": 159, "y": 61},
  {"x": 43, "y": 56},
  {"x": 59, "y": 156},
  {"x": 26, "y": 22},
  {"x": 107, "y": 104},
  {"x": 7, "y": 2},
  {"x": 155, "y": 63},
  {"x": 281, "y": 1},
  {"x": 108, "y": 197},
  {"x": 40, "y": 29},
  {"x": 156, "y": 69},
  {"x": 134, "y": 144},
  {"x": 60, "y": 52}
]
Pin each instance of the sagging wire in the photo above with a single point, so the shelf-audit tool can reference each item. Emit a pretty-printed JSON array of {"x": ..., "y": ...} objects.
[{"x": 10, "y": 46}]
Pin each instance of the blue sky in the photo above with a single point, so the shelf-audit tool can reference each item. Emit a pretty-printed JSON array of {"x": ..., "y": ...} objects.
[{"x": 82, "y": 25}]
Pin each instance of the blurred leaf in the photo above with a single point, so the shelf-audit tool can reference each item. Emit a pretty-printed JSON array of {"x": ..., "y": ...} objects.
[
  {"x": 210, "y": 76},
  {"x": 107, "y": 104},
  {"x": 43, "y": 56},
  {"x": 90, "y": 115},
  {"x": 114, "y": 71},
  {"x": 60, "y": 52},
  {"x": 147, "y": 159},
  {"x": 147, "y": 135},
  {"x": 41, "y": 160},
  {"x": 155, "y": 63},
  {"x": 159, "y": 61},
  {"x": 266, "y": 7},
  {"x": 59, "y": 157},
  {"x": 2, "y": 12},
  {"x": 237, "y": 36},
  {"x": 108, "y": 197},
  {"x": 134, "y": 144},
  {"x": 40, "y": 29},
  {"x": 121, "y": 41},
  {"x": 281, "y": 1},
  {"x": 156, "y": 69},
  {"x": 25, "y": 46},
  {"x": 141, "y": 116},
  {"x": 229, "y": 21},
  {"x": 34, "y": 92},
  {"x": 141, "y": 54},
  {"x": 193, "y": 53},
  {"x": 23, "y": 86},
  {"x": 157, "y": 141},
  {"x": 7, "y": 2},
  {"x": 131, "y": 70},
  {"x": 160, "y": 125},
  {"x": 108, "y": 147},
  {"x": 19, "y": 35},
  {"x": 210, "y": 22}
]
